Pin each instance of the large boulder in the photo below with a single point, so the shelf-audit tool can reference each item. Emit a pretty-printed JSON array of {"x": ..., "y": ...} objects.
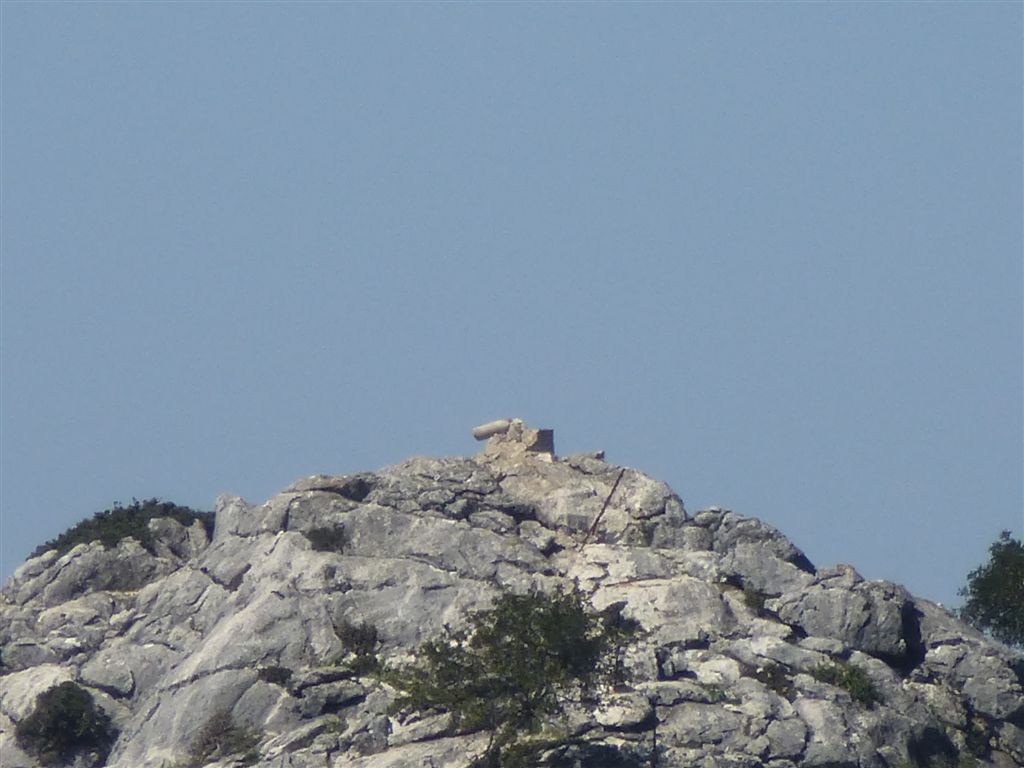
[{"x": 873, "y": 617}]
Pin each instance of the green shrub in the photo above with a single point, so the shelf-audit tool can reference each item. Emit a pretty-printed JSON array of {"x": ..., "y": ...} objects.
[
  {"x": 66, "y": 723},
  {"x": 851, "y": 679},
  {"x": 581, "y": 753},
  {"x": 977, "y": 736},
  {"x": 561, "y": 752},
  {"x": 714, "y": 694},
  {"x": 360, "y": 638},
  {"x": 116, "y": 523},
  {"x": 275, "y": 675},
  {"x": 617, "y": 633},
  {"x": 329, "y": 539},
  {"x": 360, "y": 641},
  {"x": 221, "y": 738},
  {"x": 512, "y": 668},
  {"x": 777, "y": 678},
  {"x": 754, "y": 599},
  {"x": 995, "y": 592}
]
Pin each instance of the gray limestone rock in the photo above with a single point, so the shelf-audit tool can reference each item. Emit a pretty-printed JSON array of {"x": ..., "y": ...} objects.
[
  {"x": 171, "y": 539},
  {"x": 24, "y": 654},
  {"x": 868, "y": 616},
  {"x": 236, "y": 517},
  {"x": 108, "y": 671},
  {"x": 13, "y": 756},
  {"x": 625, "y": 712},
  {"x": 732, "y": 619},
  {"x": 20, "y": 689},
  {"x": 90, "y": 568}
]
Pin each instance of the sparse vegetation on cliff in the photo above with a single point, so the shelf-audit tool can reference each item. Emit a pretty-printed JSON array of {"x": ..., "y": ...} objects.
[
  {"x": 851, "y": 679},
  {"x": 118, "y": 522},
  {"x": 995, "y": 592},
  {"x": 66, "y": 723},
  {"x": 513, "y": 667},
  {"x": 327, "y": 539},
  {"x": 221, "y": 737}
]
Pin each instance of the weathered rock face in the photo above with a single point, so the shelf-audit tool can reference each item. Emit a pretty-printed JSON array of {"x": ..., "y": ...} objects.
[{"x": 736, "y": 625}]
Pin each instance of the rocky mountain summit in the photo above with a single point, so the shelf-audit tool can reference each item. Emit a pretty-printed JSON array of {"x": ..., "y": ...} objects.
[{"x": 746, "y": 654}]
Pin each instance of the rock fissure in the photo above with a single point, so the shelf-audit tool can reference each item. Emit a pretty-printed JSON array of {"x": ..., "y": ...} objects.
[{"x": 204, "y": 674}]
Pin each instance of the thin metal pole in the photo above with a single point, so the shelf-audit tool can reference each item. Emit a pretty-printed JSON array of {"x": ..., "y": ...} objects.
[{"x": 604, "y": 506}]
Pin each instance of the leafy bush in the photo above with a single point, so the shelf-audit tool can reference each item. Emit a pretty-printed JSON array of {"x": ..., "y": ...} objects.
[
  {"x": 851, "y": 679},
  {"x": 775, "y": 677},
  {"x": 581, "y": 753},
  {"x": 512, "y": 668},
  {"x": 66, "y": 723},
  {"x": 977, "y": 737},
  {"x": 116, "y": 523},
  {"x": 561, "y": 752},
  {"x": 221, "y": 738},
  {"x": 617, "y": 632},
  {"x": 275, "y": 675},
  {"x": 754, "y": 599},
  {"x": 360, "y": 641},
  {"x": 714, "y": 693},
  {"x": 360, "y": 638},
  {"x": 995, "y": 592},
  {"x": 332, "y": 539}
]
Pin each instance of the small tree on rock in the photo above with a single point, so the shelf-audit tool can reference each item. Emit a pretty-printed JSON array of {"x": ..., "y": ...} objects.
[
  {"x": 515, "y": 666},
  {"x": 995, "y": 592},
  {"x": 65, "y": 724}
]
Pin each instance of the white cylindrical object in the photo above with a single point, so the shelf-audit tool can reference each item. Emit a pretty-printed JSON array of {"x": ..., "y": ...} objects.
[{"x": 491, "y": 428}]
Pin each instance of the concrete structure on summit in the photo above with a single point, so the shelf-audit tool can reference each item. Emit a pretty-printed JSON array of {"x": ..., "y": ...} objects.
[{"x": 512, "y": 439}]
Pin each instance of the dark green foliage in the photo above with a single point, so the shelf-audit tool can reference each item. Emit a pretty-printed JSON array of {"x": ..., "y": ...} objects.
[
  {"x": 977, "y": 736},
  {"x": 605, "y": 756},
  {"x": 332, "y": 539},
  {"x": 275, "y": 675},
  {"x": 360, "y": 641},
  {"x": 754, "y": 599},
  {"x": 995, "y": 592},
  {"x": 364, "y": 665},
  {"x": 775, "y": 677},
  {"x": 65, "y": 723},
  {"x": 617, "y": 631},
  {"x": 714, "y": 694},
  {"x": 358, "y": 638},
  {"x": 116, "y": 523},
  {"x": 513, "y": 667},
  {"x": 851, "y": 679},
  {"x": 569, "y": 753},
  {"x": 221, "y": 738},
  {"x": 932, "y": 748}
]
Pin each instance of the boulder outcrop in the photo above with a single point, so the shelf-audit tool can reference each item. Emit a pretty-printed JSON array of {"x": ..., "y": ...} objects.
[{"x": 260, "y": 625}]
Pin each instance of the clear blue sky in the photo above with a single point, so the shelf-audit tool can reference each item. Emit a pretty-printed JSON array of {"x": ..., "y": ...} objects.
[{"x": 769, "y": 253}]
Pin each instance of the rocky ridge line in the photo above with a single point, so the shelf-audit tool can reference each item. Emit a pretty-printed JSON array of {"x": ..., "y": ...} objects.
[{"x": 735, "y": 623}]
